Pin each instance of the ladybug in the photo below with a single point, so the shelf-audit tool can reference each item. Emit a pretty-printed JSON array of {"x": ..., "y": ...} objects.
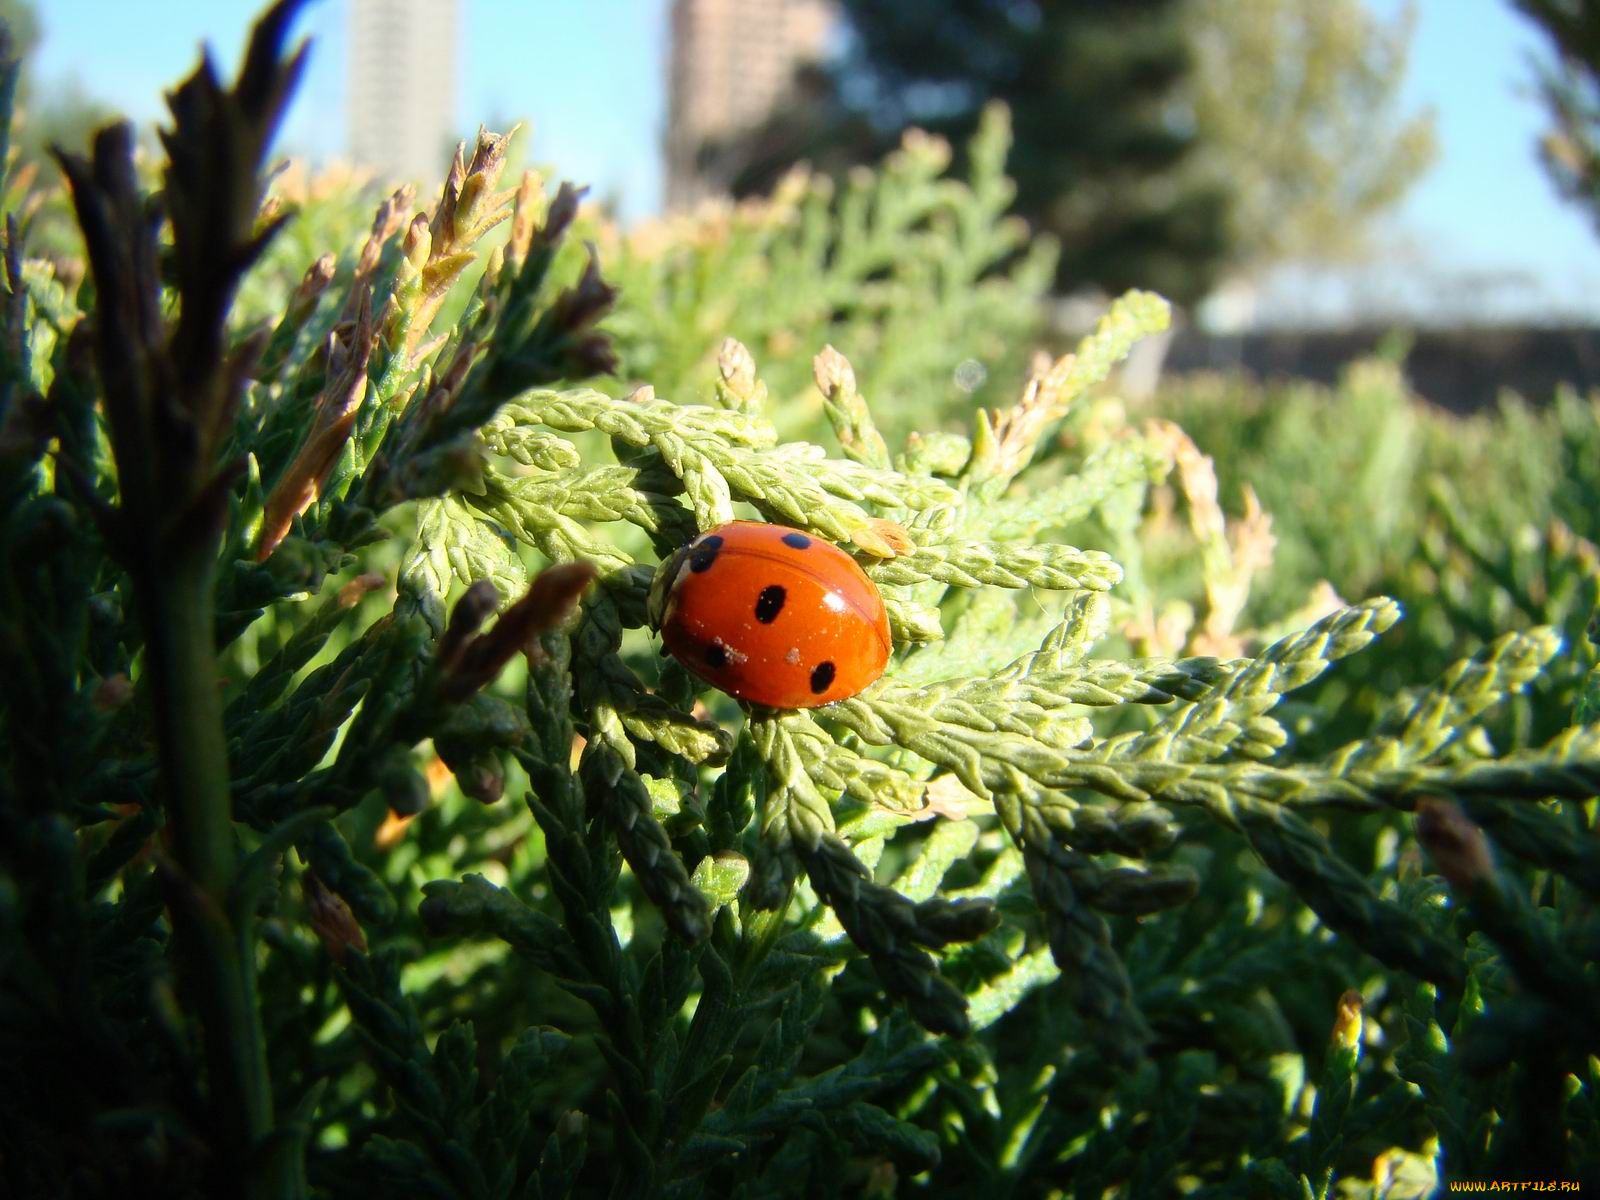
[{"x": 771, "y": 615}]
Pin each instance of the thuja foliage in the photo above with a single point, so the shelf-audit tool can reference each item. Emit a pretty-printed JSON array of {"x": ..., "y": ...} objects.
[
  {"x": 355, "y": 837},
  {"x": 1468, "y": 562},
  {"x": 923, "y": 277}
]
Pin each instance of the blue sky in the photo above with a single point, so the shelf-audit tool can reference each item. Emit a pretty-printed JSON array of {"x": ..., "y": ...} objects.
[{"x": 1482, "y": 233}]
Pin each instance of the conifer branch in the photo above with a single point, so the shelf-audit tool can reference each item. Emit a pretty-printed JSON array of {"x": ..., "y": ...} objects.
[
  {"x": 993, "y": 827},
  {"x": 975, "y": 564}
]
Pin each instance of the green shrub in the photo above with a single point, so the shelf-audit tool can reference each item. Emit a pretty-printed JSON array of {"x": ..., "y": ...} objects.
[
  {"x": 924, "y": 278},
  {"x": 311, "y": 884},
  {"x": 1476, "y": 525}
]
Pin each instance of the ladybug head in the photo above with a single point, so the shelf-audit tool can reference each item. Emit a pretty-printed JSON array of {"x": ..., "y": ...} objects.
[{"x": 659, "y": 601}]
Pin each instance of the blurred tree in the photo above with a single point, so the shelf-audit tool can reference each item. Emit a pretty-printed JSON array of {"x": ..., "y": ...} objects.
[
  {"x": 1294, "y": 111},
  {"x": 1167, "y": 143},
  {"x": 1569, "y": 83},
  {"x": 64, "y": 117},
  {"x": 1093, "y": 88},
  {"x": 21, "y": 25}
]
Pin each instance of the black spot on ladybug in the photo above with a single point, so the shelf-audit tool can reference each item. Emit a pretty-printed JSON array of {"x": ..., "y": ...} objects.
[
  {"x": 716, "y": 655},
  {"x": 705, "y": 553},
  {"x": 770, "y": 603},
  {"x": 796, "y": 541},
  {"x": 821, "y": 677}
]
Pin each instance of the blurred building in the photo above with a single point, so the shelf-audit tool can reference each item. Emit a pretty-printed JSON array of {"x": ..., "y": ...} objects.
[
  {"x": 732, "y": 63},
  {"x": 402, "y": 85}
]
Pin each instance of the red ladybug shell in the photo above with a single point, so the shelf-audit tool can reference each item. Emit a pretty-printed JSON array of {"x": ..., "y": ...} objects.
[{"x": 772, "y": 615}]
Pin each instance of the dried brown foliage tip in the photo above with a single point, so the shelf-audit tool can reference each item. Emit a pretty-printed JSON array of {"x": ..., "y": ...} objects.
[{"x": 467, "y": 663}]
